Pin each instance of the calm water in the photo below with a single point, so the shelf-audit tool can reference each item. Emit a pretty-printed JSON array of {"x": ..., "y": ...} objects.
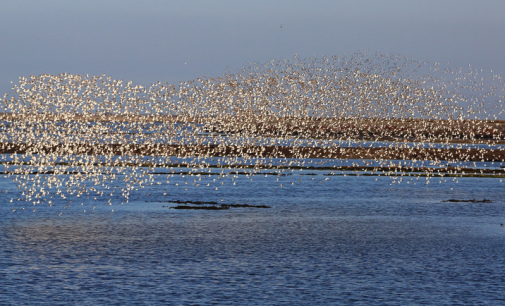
[{"x": 341, "y": 240}]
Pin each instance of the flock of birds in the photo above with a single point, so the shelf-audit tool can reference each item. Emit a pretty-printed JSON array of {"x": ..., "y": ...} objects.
[{"x": 70, "y": 136}]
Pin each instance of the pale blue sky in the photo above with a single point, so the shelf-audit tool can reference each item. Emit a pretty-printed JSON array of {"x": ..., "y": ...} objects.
[{"x": 149, "y": 41}]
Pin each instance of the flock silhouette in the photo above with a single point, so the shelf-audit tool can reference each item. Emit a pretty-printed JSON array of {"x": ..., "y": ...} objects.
[{"x": 73, "y": 136}]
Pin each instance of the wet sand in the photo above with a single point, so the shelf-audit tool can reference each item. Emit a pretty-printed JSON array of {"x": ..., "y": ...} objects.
[
  {"x": 307, "y": 127},
  {"x": 373, "y": 129},
  {"x": 260, "y": 151}
]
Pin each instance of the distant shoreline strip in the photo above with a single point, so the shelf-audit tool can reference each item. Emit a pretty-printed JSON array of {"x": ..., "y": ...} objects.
[{"x": 187, "y": 151}]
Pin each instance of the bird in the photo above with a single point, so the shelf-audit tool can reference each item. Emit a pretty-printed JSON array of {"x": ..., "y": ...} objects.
[{"x": 69, "y": 136}]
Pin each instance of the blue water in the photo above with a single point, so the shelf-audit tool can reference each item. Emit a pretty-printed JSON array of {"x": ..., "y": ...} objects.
[{"x": 346, "y": 239}]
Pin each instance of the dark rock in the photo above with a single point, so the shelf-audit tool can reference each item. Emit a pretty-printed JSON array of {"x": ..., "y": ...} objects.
[
  {"x": 468, "y": 201},
  {"x": 200, "y": 207}
]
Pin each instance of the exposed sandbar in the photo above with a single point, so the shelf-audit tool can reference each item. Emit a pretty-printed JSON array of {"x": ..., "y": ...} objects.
[{"x": 258, "y": 151}]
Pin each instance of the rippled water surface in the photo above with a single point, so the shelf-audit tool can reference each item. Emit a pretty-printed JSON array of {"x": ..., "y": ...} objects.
[{"x": 341, "y": 240}]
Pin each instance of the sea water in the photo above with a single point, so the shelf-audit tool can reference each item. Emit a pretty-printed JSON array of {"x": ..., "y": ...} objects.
[{"x": 324, "y": 240}]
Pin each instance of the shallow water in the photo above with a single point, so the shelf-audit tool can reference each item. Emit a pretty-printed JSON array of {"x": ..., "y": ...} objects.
[{"x": 342, "y": 240}]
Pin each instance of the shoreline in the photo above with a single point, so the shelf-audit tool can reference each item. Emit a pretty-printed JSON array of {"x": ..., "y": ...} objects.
[
  {"x": 480, "y": 155},
  {"x": 415, "y": 130}
]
